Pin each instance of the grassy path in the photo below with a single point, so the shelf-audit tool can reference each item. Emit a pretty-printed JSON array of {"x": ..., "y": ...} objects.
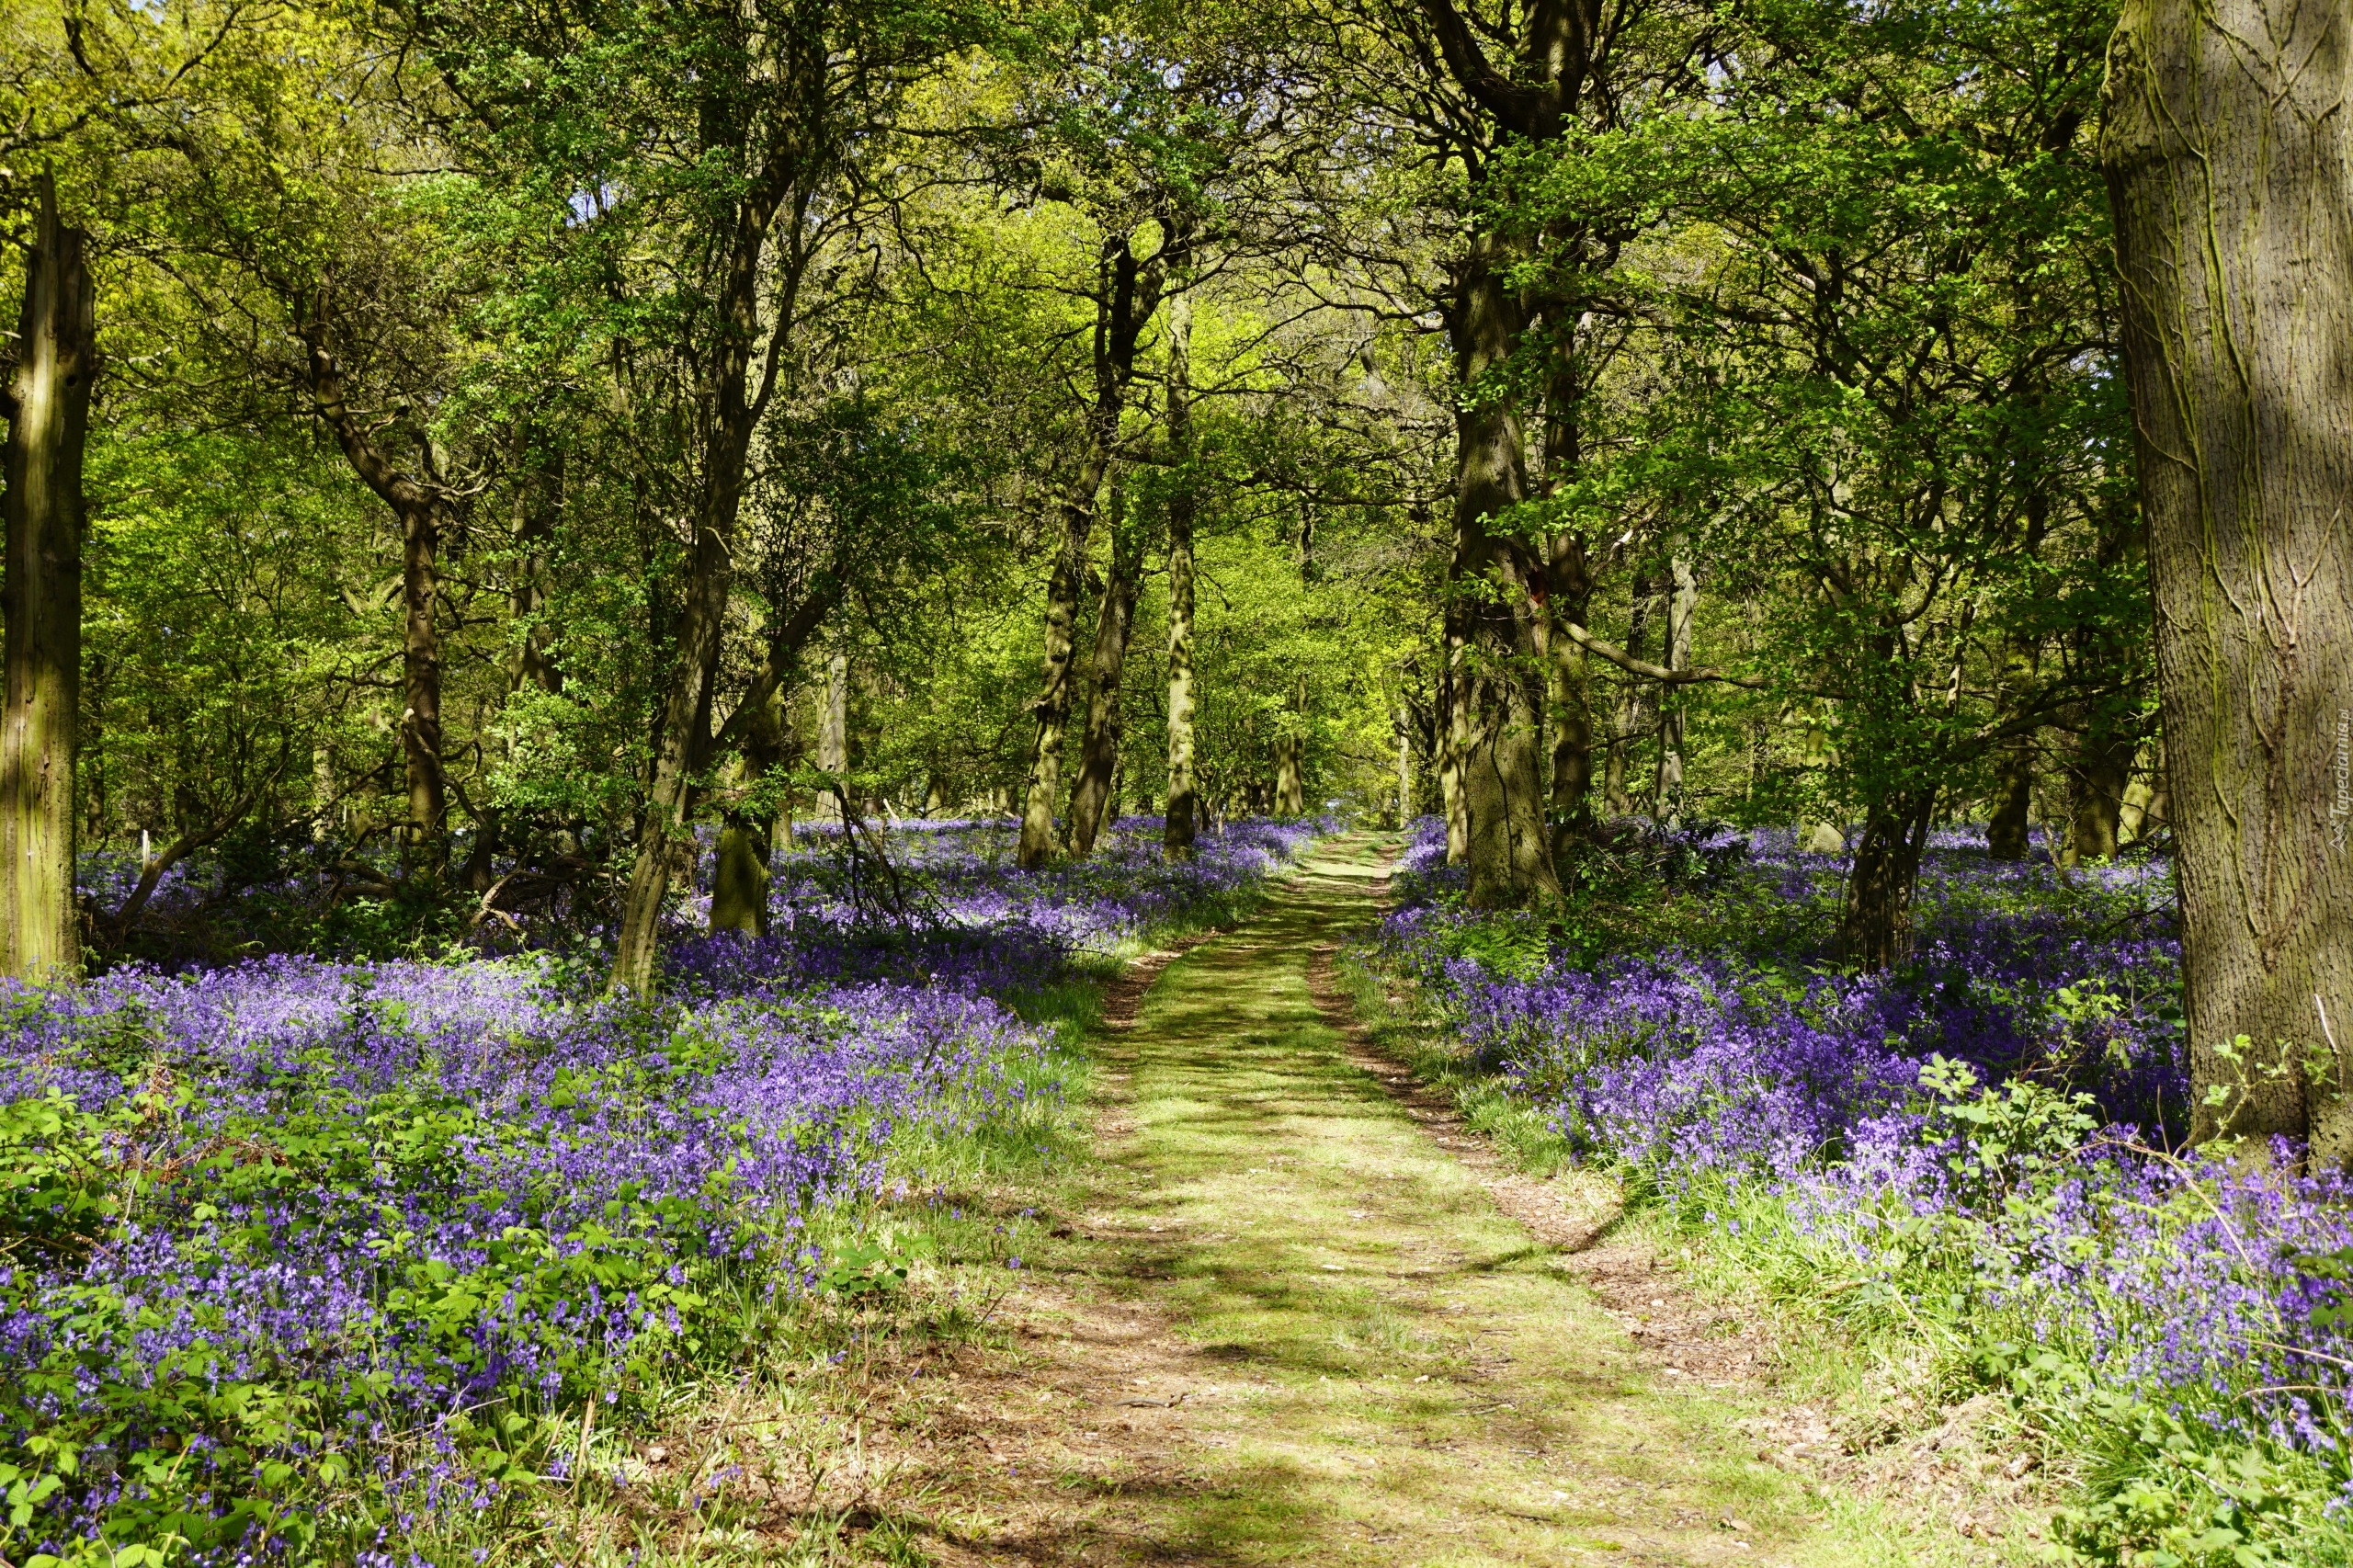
[{"x": 1289, "y": 1326}]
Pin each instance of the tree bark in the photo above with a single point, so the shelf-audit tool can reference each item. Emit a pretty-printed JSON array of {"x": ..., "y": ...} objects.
[
  {"x": 2006, "y": 830},
  {"x": 1492, "y": 600},
  {"x": 48, "y": 407},
  {"x": 538, "y": 504},
  {"x": 1100, "y": 753},
  {"x": 2227, "y": 157},
  {"x": 1402, "y": 722},
  {"x": 2103, "y": 768},
  {"x": 1450, "y": 765},
  {"x": 1177, "y": 827},
  {"x": 739, "y": 887}
]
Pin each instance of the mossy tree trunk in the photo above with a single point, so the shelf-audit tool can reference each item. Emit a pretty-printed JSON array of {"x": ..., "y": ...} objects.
[
  {"x": 2231, "y": 177},
  {"x": 47, "y": 408}
]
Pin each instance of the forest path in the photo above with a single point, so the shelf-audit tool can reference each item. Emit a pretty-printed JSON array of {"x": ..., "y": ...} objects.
[{"x": 1287, "y": 1323}]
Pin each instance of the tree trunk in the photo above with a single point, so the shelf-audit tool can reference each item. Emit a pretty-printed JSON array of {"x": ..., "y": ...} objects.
[
  {"x": 1875, "y": 924},
  {"x": 538, "y": 504},
  {"x": 1290, "y": 760},
  {"x": 1177, "y": 827},
  {"x": 1569, "y": 695},
  {"x": 682, "y": 742},
  {"x": 420, "y": 504},
  {"x": 421, "y": 675},
  {"x": 2144, "y": 808},
  {"x": 1099, "y": 755},
  {"x": 2227, "y": 157},
  {"x": 1682, "y": 602},
  {"x": 2103, "y": 768},
  {"x": 2006, "y": 831},
  {"x": 1627, "y": 723},
  {"x": 48, "y": 407},
  {"x": 1051, "y": 706},
  {"x": 833, "y": 733},
  {"x": 1404, "y": 724},
  {"x": 739, "y": 887},
  {"x": 1497, "y": 701},
  {"x": 1449, "y": 764},
  {"x": 1125, "y": 300}
]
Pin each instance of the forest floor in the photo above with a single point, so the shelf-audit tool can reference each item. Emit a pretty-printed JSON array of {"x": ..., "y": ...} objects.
[{"x": 1294, "y": 1312}]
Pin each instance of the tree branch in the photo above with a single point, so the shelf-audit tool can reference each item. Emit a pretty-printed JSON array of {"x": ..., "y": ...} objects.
[
  {"x": 1643, "y": 667},
  {"x": 1514, "y": 107}
]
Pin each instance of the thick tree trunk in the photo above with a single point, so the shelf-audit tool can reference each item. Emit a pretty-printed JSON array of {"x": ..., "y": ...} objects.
[
  {"x": 2230, "y": 169},
  {"x": 41, "y": 597},
  {"x": 2006, "y": 831},
  {"x": 739, "y": 889},
  {"x": 682, "y": 742},
  {"x": 1875, "y": 924},
  {"x": 678, "y": 756},
  {"x": 1099, "y": 753},
  {"x": 1497, "y": 695},
  {"x": 1177, "y": 827},
  {"x": 2144, "y": 801}
]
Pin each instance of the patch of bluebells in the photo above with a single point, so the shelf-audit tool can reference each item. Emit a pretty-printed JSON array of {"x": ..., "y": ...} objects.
[
  {"x": 271, "y": 1231},
  {"x": 1992, "y": 1134},
  {"x": 959, "y": 877}
]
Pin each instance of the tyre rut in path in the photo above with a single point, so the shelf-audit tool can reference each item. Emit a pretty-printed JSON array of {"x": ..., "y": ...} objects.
[{"x": 1287, "y": 1324}]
